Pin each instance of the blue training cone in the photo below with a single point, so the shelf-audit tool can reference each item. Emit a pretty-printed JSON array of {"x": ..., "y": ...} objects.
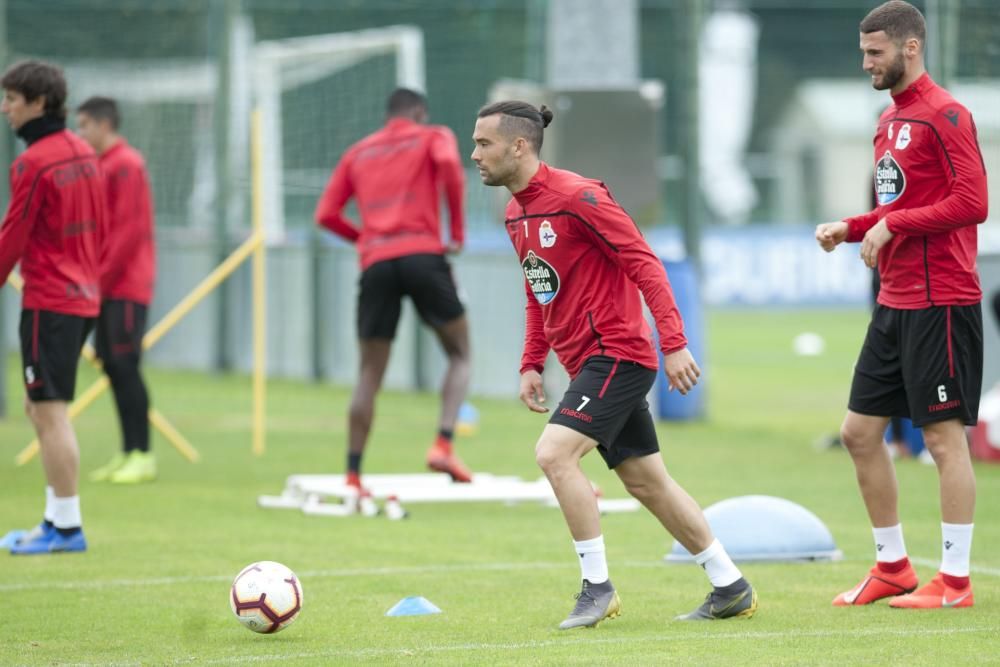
[
  {"x": 413, "y": 606},
  {"x": 11, "y": 538}
]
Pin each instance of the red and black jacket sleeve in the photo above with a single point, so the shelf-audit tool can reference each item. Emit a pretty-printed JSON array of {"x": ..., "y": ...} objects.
[
  {"x": 129, "y": 215},
  {"x": 448, "y": 165},
  {"x": 19, "y": 219},
  {"x": 536, "y": 346},
  {"x": 329, "y": 210},
  {"x": 962, "y": 163},
  {"x": 617, "y": 235}
]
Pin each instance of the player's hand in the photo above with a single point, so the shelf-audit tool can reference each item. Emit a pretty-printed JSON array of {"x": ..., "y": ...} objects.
[
  {"x": 682, "y": 371},
  {"x": 532, "y": 392},
  {"x": 453, "y": 247},
  {"x": 874, "y": 240},
  {"x": 831, "y": 234}
]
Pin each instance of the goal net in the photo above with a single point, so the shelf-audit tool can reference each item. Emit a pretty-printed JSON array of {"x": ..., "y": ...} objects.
[{"x": 317, "y": 95}]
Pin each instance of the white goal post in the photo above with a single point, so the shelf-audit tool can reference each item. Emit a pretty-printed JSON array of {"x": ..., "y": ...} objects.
[{"x": 281, "y": 66}]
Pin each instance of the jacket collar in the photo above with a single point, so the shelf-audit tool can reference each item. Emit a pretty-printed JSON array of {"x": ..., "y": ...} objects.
[
  {"x": 535, "y": 185},
  {"x": 40, "y": 127},
  {"x": 914, "y": 91}
]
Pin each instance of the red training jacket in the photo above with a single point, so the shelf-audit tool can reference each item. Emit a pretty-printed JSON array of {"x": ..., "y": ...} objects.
[
  {"x": 55, "y": 224},
  {"x": 129, "y": 261},
  {"x": 930, "y": 186},
  {"x": 583, "y": 258},
  {"x": 396, "y": 175}
]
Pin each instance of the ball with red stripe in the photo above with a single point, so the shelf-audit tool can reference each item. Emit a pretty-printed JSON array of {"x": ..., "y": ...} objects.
[{"x": 266, "y": 596}]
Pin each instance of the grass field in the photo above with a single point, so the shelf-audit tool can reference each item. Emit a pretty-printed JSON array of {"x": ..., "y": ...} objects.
[{"x": 153, "y": 587}]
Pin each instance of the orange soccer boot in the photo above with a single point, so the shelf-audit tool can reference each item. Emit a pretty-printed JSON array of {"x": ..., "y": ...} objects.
[
  {"x": 880, "y": 584},
  {"x": 441, "y": 458},
  {"x": 940, "y": 593}
]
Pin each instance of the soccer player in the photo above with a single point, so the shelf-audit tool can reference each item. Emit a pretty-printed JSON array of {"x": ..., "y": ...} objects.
[
  {"x": 128, "y": 273},
  {"x": 396, "y": 175},
  {"x": 585, "y": 264},
  {"x": 923, "y": 354},
  {"x": 54, "y": 226}
]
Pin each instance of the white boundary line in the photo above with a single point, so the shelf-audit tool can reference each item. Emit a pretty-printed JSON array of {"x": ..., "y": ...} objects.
[
  {"x": 304, "y": 574},
  {"x": 378, "y": 572},
  {"x": 414, "y": 652},
  {"x": 975, "y": 569}
]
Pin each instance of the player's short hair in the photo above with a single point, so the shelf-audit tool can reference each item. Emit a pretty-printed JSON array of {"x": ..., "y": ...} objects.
[
  {"x": 521, "y": 119},
  {"x": 403, "y": 101},
  {"x": 898, "y": 19},
  {"x": 35, "y": 78},
  {"x": 102, "y": 108}
]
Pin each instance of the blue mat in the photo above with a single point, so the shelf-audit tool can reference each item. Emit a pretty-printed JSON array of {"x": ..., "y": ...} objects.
[{"x": 765, "y": 528}]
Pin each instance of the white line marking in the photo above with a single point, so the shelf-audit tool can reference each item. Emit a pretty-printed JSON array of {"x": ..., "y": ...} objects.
[
  {"x": 975, "y": 569},
  {"x": 305, "y": 574},
  {"x": 375, "y": 572},
  {"x": 576, "y": 640}
]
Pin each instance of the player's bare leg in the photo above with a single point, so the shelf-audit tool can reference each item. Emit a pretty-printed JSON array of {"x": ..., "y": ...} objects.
[
  {"x": 951, "y": 586},
  {"x": 893, "y": 574},
  {"x": 374, "y": 359},
  {"x": 59, "y": 450},
  {"x": 862, "y": 436},
  {"x": 646, "y": 479},
  {"x": 454, "y": 339},
  {"x": 947, "y": 444},
  {"x": 558, "y": 453}
]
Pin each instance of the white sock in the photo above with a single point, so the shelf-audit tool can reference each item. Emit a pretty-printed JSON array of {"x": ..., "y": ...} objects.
[
  {"x": 956, "y": 544},
  {"x": 718, "y": 565},
  {"x": 50, "y": 495},
  {"x": 66, "y": 512},
  {"x": 593, "y": 561},
  {"x": 889, "y": 545}
]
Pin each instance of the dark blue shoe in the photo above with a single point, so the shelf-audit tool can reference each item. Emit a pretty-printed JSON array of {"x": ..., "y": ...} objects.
[{"x": 50, "y": 542}]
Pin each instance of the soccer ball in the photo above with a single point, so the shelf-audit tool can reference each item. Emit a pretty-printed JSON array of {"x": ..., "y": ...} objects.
[{"x": 266, "y": 596}]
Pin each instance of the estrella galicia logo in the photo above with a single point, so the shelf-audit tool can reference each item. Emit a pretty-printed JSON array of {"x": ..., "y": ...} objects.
[
  {"x": 541, "y": 276},
  {"x": 889, "y": 180}
]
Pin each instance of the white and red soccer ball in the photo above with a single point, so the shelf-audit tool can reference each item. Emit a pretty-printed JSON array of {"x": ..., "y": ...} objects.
[{"x": 266, "y": 597}]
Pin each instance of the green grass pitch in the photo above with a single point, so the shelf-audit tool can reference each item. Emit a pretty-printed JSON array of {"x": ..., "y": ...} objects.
[{"x": 153, "y": 588}]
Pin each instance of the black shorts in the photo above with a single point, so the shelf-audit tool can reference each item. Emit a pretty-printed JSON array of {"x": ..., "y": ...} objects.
[
  {"x": 923, "y": 364},
  {"x": 607, "y": 402},
  {"x": 426, "y": 279},
  {"x": 50, "y": 351},
  {"x": 120, "y": 328}
]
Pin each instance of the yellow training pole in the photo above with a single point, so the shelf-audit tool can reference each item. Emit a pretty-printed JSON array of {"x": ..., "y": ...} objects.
[
  {"x": 259, "y": 289},
  {"x": 156, "y": 418},
  {"x": 159, "y": 422},
  {"x": 173, "y": 436},
  {"x": 203, "y": 289}
]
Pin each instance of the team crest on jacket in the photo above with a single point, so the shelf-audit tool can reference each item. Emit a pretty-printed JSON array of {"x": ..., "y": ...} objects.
[
  {"x": 889, "y": 180},
  {"x": 541, "y": 276},
  {"x": 903, "y": 140},
  {"x": 546, "y": 236}
]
